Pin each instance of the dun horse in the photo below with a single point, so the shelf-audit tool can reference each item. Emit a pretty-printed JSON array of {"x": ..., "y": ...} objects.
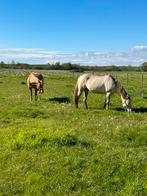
[
  {"x": 100, "y": 84},
  {"x": 35, "y": 81}
]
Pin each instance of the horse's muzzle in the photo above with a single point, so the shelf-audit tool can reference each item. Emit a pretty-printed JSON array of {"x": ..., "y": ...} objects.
[
  {"x": 41, "y": 91},
  {"x": 129, "y": 110}
]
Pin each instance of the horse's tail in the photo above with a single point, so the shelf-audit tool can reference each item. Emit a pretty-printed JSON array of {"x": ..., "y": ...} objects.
[
  {"x": 28, "y": 81},
  {"x": 75, "y": 96}
]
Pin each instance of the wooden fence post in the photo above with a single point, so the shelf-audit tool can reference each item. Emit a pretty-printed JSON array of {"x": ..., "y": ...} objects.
[
  {"x": 142, "y": 85},
  {"x": 127, "y": 79}
]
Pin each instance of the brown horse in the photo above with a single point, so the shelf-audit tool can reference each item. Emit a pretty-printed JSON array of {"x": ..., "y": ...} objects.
[
  {"x": 100, "y": 84},
  {"x": 35, "y": 81}
]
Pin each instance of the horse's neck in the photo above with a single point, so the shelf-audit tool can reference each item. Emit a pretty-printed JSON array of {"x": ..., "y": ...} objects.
[{"x": 121, "y": 91}]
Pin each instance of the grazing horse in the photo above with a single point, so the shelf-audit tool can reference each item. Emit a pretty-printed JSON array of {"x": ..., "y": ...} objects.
[
  {"x": 35, "y": 81},
  {"x": 100, "y": 84}
]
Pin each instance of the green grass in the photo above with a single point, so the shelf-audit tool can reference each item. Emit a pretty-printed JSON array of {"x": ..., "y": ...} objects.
[{"x": 50, "y": 148}]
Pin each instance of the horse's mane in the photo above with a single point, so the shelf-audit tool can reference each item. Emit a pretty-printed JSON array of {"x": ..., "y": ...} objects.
[
  {"x": 121, "y": 89},
  {"x": 114, "y": 79},
  {"x": 39, "y": 76}
]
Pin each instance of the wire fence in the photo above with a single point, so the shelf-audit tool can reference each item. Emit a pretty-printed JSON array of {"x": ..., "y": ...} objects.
[{"x": 134, "y": 82}]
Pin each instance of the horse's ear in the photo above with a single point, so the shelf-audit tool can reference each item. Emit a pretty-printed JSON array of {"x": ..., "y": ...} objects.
[{"x": 40, "y": 81}]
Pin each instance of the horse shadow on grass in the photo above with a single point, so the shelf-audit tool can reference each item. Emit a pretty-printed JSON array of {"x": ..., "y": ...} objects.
[
  {"x": 60, "y": 100},
  {"x": 23, "y": 82},
  {"x": 119, "y": 109},
  {"x": 136, "y": 110},
  {"x": 140, "y": 110}
]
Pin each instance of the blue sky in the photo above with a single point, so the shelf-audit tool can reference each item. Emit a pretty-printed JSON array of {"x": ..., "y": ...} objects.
[{"x": 89, "y": 32}]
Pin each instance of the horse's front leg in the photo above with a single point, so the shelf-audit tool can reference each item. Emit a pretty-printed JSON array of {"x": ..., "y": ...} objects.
[
  {"x": 31, "y": 94},
  {"x": 107, "y": 101},
  {"x": 85, "y": 98},
  {"x": 36, "y": 94}
]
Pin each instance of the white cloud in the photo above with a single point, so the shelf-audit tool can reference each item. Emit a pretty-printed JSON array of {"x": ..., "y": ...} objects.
[
  {"x": 136, "y": 56},
  {"x": 139, "y": 48}
]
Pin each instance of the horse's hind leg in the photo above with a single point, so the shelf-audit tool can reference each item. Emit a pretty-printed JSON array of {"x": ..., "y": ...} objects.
[
  {"x": 77, "y": 94},
  {"x": 85, "y": 98},
  {"x": 36, "y": 95},
  {"x": 107, "y": 101}
]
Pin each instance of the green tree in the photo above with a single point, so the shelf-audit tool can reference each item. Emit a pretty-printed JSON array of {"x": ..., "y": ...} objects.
[
  {"x": 2, "y": 63},
  {"x": 144, "y": 66}
]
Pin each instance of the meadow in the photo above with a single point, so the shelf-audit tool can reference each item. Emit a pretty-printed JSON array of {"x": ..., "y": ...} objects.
[{"x": 50, "y": 148}]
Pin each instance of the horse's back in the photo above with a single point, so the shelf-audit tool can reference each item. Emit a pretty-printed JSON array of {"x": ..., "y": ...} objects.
[
  {"x": 34, "y": 78},
  {"x": 95, "y": 83}
]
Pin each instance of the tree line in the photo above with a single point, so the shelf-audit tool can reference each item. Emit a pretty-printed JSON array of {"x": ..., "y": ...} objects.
[{"x": 72, "y": 67}]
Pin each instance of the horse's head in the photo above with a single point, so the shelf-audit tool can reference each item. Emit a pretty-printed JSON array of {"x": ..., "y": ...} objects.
[
  {"x": 40, "y": 89},
  {"x": 127, "y": 104}
]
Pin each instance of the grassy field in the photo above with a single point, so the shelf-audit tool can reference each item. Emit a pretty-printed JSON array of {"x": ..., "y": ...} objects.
[{"x": 50, "y": 148}]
